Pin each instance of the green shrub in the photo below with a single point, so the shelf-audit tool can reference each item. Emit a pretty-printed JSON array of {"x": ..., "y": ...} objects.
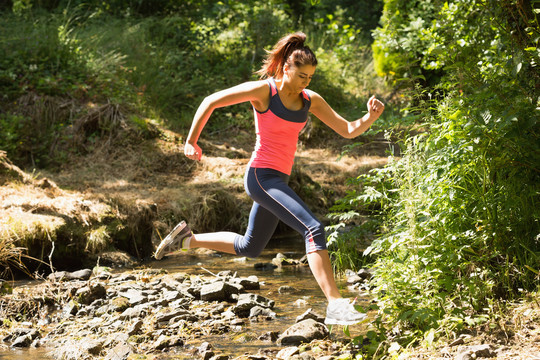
[{"x": 460, "y": 224}]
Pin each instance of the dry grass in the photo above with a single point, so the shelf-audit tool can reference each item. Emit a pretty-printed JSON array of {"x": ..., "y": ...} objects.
[{"x": 146, "y": 184}]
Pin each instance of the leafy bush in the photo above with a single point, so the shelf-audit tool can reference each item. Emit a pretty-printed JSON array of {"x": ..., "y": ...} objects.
[{"x": 460, "y": 222}]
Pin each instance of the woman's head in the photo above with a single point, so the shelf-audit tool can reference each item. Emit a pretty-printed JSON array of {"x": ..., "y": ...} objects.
[{"x": 289, "y": 50}]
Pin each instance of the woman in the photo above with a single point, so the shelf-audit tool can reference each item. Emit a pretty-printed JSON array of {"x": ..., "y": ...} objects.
[{"x": 281, "y": 104}]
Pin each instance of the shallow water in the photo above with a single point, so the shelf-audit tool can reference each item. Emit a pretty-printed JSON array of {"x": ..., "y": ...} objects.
[{"x": 245, "y": 340}]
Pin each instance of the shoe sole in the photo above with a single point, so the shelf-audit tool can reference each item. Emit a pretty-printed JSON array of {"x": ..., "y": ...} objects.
[
  {"x": 169, "y": 239},
  {"x": 328, "y": 321}
]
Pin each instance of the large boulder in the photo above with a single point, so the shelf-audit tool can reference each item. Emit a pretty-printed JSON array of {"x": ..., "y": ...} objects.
[{"x": 303, "y": 332}]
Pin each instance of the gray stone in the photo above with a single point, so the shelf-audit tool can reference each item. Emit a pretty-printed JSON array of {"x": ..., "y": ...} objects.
[
  {"x": 303, "y": 332},
  {"x": 365, "y": 274},
  {"x": 171, "y": 295},
  {"x": 92, "y": 346},
  {"x": 161, "y": 343},
  {"x": 310, "y": 314},
  {"x": 119, "y": 352},
  {"x": 135, "y": 297},
  {"x": 257, "y": 299},
  {"x": 84, "y": 275},
  {"x": 249, "y": 283},
  {"x": 171, "y": 314},
  {"x": 248, "y": 301},
  {"x": 134, "y": 312},
  {"x": 257, "y": 311},
  {"x": 23, "y": 337},
  {"x": 22, "y": 341},
  {"x": 69, "y": 309},
  {"x": 218, "y": 291},
  {"x": 287, "y": 352},
  {"x": 270, "y": 336},
  {"x": 135, "y": 327},
  {"x": 88, "y": 294}
]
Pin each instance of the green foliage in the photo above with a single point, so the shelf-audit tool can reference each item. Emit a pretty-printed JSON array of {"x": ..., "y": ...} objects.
[{"x": 459, "y": 216}]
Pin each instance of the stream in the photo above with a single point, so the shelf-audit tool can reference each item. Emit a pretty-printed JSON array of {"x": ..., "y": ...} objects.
[{"x": 245, "y": 340}]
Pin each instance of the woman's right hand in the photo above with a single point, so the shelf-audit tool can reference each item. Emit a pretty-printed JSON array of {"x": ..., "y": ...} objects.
[{"x": 193, "y": 151}]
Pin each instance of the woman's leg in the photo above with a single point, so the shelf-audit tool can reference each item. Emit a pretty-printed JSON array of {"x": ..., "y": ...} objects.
[
  {"x": 269, "y": 188},
  {"x": 262, "y": 224},
  {"x": 220, "y": 241},
  {"x": 319, "y": 263}
]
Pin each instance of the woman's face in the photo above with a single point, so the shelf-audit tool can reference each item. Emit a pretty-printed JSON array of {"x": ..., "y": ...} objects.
[{"x": 298, "y": 78}]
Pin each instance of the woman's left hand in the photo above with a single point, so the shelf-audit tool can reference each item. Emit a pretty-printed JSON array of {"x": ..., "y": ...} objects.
[{"x": 375, "y": 107}]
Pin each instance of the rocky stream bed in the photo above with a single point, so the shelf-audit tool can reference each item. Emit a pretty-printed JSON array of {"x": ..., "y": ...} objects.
[{"x": 158, "y": 314}]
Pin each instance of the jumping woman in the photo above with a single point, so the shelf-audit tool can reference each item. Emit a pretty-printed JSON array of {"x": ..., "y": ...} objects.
[{"x": 281, "y": 104}]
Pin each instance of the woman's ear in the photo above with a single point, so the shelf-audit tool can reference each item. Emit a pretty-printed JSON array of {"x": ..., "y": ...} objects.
[{"x": 286, "y": 68}]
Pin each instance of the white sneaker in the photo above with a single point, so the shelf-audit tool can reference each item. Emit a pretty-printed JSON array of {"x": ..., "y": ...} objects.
[
  {"x": 178, "y": 239},
  {"x": 342, "y": 312}
]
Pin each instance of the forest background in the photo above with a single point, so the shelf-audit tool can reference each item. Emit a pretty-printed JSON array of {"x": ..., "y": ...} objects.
[{"x": 454, "y": 212}]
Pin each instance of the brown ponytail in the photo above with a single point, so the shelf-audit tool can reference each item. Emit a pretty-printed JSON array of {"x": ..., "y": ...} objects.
[{"x": 290, "y": 50}]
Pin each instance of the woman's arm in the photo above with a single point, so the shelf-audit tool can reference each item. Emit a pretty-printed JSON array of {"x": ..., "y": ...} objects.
[
  {"x": 347, "y": 129},
  {"x": 254, "y": 91}
]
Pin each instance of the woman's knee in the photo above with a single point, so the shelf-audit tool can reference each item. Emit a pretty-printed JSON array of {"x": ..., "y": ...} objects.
[
  {"x": 247, "y": 248},
  {"x": 315, "y": 238}
]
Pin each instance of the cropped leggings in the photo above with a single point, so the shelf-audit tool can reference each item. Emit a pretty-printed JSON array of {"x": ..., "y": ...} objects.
[{"x": 274, "y": 200}]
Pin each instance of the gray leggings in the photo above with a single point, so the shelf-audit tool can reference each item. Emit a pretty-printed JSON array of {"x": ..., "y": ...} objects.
[{"x": 274, "y": 200}]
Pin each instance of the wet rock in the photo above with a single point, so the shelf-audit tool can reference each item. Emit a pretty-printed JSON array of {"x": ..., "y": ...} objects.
[
  {"x": 258, "y": 311},
  {"x": 218, "y": 291},
  {"x": 287, "y": 352},
  {"x": 310, "y": 314},
  {"x": 287, "y": 290},
  {"x": 86, "y": 295},
  {"x": 248, "y": 301},
  {"x": 270, "y": 336},
  {"x": 365, "y": 274},
  {"x": 249, "y": 283},
  {"x": 205, "y": 350},
  {"x": 282, "y": 260},
  {"x": 264, "y": 266},
  {"x": 25, "y": 339},
  {"x": 300, "y": 303},
  {"x": 352, "y": 277},
  {"x": 84, "y": 275},
  {"x": 303, "y": 332}
]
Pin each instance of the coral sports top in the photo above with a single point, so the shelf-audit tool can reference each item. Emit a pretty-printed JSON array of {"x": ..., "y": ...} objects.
[{"x": 277, "y": 131}]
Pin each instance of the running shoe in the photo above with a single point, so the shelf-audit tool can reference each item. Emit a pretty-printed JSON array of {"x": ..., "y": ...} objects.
[
  {"x": 342, "y": 312},
  {"x": 178, "y": 239}
]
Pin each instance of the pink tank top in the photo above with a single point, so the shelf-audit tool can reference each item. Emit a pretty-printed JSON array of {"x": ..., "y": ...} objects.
[{"x": 277, "y": 131}]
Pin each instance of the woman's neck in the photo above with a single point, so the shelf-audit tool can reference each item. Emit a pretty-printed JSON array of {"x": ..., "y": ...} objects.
[{"x": 283, "y": 89}]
